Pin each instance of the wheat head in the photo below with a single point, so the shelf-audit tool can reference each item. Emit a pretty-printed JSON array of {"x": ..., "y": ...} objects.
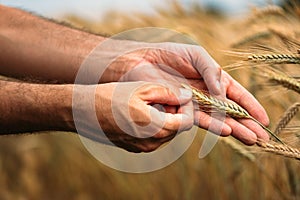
[
  {"x": 230, "y": 108},
  {"x": 286, "y": 118},
  {"x": 283, "y": 80},
  {"x": 279, "y": 149},
  {"x": 274, "y": 58}
]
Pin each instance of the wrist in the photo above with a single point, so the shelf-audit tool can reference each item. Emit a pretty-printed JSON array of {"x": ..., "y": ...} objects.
[
  {"x": 50, "y": 107},
  {"x": 61, "y": 108},
  {"x": 91, "y": 108}
]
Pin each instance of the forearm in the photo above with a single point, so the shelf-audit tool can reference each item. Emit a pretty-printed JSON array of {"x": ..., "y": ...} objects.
[
  {"x": 34, "y": 107},
  {"x": 34, "y": 47}
]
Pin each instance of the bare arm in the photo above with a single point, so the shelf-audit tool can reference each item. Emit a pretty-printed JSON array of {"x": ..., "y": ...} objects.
[
  {"x": 34, "y": 107},
  {"x": 30, "y": 46},
  {"x": 28, "y": 107},
  {"x": 34, "y": 47}
]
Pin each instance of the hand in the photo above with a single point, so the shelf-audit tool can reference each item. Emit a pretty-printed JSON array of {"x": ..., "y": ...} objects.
[
  {"x": 167, "y": 63},
  {"x": 131, "y": 117},
  {"x": 173, "y": 64}
]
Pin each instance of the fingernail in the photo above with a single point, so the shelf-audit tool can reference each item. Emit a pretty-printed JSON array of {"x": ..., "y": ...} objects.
[
  {"x": 184, "y": 93},
  {"x": 252, "y": 138}
]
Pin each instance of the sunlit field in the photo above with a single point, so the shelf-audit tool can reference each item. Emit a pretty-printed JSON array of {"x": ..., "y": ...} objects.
[{"x": 261, "y": 50}]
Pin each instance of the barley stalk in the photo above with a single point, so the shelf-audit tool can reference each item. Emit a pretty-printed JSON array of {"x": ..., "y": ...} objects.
[
  {"x": 274, "y": 58},
  {"x": 279, "y": 149},
  {"x": 286, "y": 118},
  {"x": 230, "y": 108}
]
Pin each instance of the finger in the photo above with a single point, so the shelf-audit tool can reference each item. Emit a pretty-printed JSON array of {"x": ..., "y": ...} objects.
[
  {"x": 247, "y": 131},
  {"x": 175, "y": 123},
  {"x": 162, "y": 95},
  {"x": 209, "y": 69},
  {"x": 255, "y": 128},
  {"x": 170, "y": 109},
  {"x": 214, "y": 125},
  {"x": 187, "y": 112},
  {"x": 166, "y": 108},
  {"x": 241, "y": 96},
  {"x": 190, "y": 61},
  {"x": 160, "y": 120}
]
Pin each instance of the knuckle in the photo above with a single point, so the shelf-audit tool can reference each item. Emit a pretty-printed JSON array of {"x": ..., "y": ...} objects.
[{"x": 168, "y": 92}]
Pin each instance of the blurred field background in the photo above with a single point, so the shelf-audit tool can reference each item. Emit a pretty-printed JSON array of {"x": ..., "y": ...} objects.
[{"x": 57, "y": 166}]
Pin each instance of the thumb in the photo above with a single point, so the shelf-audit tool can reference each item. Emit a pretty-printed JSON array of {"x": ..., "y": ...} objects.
[{"x": 164, "y": 95}]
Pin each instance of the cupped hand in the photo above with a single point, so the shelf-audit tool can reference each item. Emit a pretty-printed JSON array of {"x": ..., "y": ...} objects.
[
  {"x": 138, "y": 116},
  {"x": 173, "y": 64}
]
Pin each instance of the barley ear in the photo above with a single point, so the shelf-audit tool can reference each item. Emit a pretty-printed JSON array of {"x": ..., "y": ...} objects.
[{"x": 230, "y": 108}]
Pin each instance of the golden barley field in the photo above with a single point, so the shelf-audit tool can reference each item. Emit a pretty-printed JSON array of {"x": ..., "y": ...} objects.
[{"x": 261, "y": 50}]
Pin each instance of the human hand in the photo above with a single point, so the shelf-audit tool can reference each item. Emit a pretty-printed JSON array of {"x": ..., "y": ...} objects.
[
  {"x": 173, "y": 64},
  {"x": 136, "y": 116}
]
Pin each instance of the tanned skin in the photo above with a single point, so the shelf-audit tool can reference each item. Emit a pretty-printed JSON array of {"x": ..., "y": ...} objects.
[{"x": 32, "y": 47}]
